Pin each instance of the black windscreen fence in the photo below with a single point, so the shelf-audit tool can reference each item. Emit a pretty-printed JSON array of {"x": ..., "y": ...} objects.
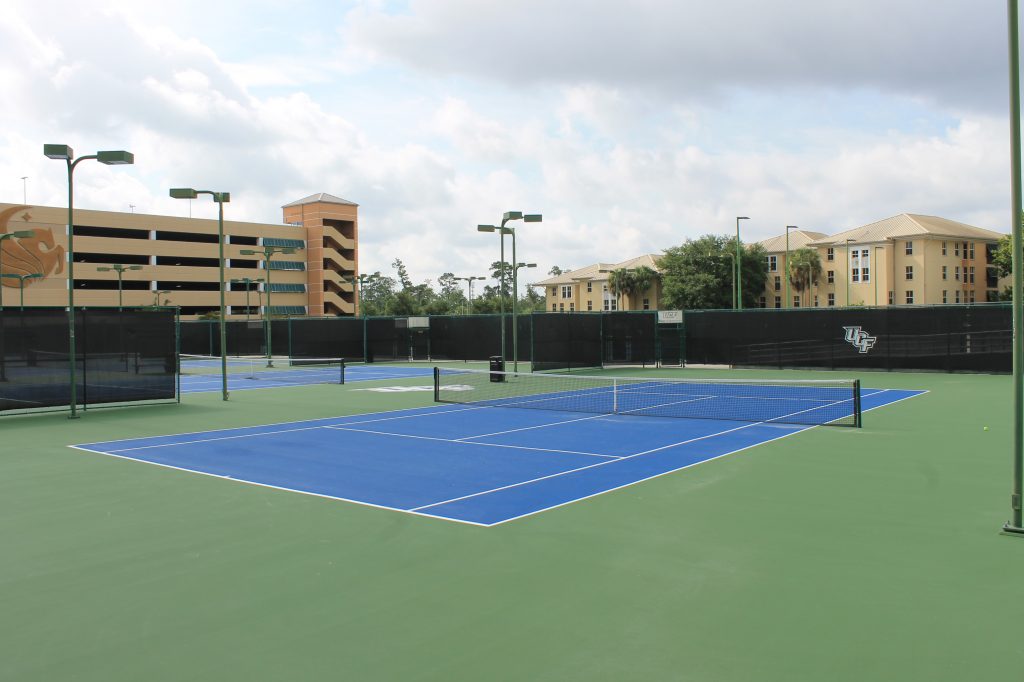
[
  {"x": 630, "y": 338},
  {"x": 121, "y": 356},
  {"x": 339, "y": 337},
  {"x": 566, "y": 341},
  {"x": 948, "y": 338}
]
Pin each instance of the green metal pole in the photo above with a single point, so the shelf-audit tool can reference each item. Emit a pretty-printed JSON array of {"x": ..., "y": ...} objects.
[
  {"x": 120, "y": 300},
  {"x": 23, "y": 295},
  {"x": 785, "y": 273},
  {"x": 515, "y": 295},
  {"x": 874, "y": 275},
  {"x": 219, "y": 198},
  {"x": 266, "y": 260},
  {"x": 848, "y": 273},
  {"x": 1015, "y": 525},
  {"x": 501, "y": 298},
  {"x": 739, "y": 272},
  {"x": 71, "y": 288}
]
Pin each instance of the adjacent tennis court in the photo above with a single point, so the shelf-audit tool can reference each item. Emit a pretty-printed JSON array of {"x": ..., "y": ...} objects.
[
  {"x": 492, "y": 462},
  {"x": 202, "y": 374}
]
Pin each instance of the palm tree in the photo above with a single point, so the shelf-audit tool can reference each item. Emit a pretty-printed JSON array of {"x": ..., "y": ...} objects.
[
  {"x": 620, "y": 281},
  {"x": 642, "y": 280},
  {"x": 804, "y": 268}
]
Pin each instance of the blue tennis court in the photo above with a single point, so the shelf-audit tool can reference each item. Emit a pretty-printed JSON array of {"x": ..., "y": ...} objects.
[
  {"x": 481, "y": 465},
  {"x": 206, "y": 375}
]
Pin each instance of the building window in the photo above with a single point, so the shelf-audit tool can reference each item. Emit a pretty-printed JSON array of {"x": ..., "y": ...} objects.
[
  {"x": 855, "y": 275},
  {"x": 910, "y": 272},
  {"x": 945, "y": 273},
  {"x": 590, "y": 305},
  {"x": 763, "y": 301},
  {"x": 773, "y": 263},
  {"x": 830, "y": 253},
  {"x": 554, "y": 291},
  {"x": 971, "y": 257},
  {"x": 572, "y": 307},
  {"x": 956, "y": 273},
  {"x": 909, "y": 250},
  {"x": 590, "y": 287},
  {"x": 956, "y": 249},
  {"x": 815, "y": 300},
  {"x": 943, "y": 248},
  {"x": 831, "y": 300},
  {"x": 778, "y": 301},
  {"x": 892, "y": 298},
  {"x": 865, "y": 266},
  {"x": 970, "y": 277},
  {"x": 944, "y": 296},
  {"x": 971, "y": 294},
  {"x": 796, "y": 301},
  {"x": 910, "y": 297},
  {"x": 554, "y": 308},
  {"x": 647, "y": 304},
  {"x": 778, "y": 283},
  {"x": 561, "y": 307},
  {"x": 957, "y": 293},
  {"x": 831, "y": 276},
  {"x": 566, "y": 291}
]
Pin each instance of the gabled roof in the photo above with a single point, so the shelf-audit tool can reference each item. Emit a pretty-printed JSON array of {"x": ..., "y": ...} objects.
[
  {"x": 909, "y": 225},
  {"x": 600, "y": 271},
  {"x": 321, "y": 198},
  {"x": 797, "y": 240}
]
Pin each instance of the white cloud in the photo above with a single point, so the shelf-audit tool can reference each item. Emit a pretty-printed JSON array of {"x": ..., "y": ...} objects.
[{"x": 615, "y": 141}]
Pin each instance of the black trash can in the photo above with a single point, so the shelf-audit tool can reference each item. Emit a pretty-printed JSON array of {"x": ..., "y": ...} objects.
[{"x": 497, "y": 366}]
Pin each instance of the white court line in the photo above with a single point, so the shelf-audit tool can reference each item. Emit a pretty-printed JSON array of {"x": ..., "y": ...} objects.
[
  {"x": 621, "y": 459},
  {"x": 529, "y": 428},
  {"x": 462, "y": 442},
  {"x": 280, "y": 487},
  {"x": 710, "y": 459}
]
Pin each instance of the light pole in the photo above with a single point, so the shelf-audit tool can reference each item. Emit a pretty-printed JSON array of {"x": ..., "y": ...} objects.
[
  {"x": 508, "y": 216},
  {"x": 469, "y": 290},
  {"x": 120, "y": 270},
  {"x": 849, "y": 272},
  {"x": 523, "y": 265},
  {"x": 221, "y": 198},
  {"x": 268, "y": 253},
  {"x": 362, "y": 280},
  {"x": 875, "y": 270},
  {"x": 789, "y": 297},
  {"x": 738, "y": 265},
  {"x": 20, "y": 234},
  {"x": 21, "y": 283},
  {"x": 109, "y": 158},
  {"x": 156, "y": 296},
  {"x": 1016, "y": 524},
  {"x": 248, "y": 281}
]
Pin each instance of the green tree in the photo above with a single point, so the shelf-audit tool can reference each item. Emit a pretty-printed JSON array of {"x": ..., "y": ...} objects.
[
  {"x": 804, "y": 268},
  {"x": 376, "y": 294},
  {"x": 620, "y": 281},
  {"x": 1002, "y": 257},
  {"x": 555, "y": 271},
  {"x": 643, "y": 279},
  {"x": 698, "y": 273},
  {"x": 403, "y": 274}
]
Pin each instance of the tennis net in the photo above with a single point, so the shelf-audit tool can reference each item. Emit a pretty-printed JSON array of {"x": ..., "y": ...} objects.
[
  {"x": 295, "y": 371},
  {"x": 833, "y": 402}
]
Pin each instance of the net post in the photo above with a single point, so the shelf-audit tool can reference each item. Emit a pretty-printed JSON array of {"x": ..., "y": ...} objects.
[
  {"x": 615, "y": 396},
  {"x": 437, "y": 384},
  {"x": 342, "y": 370},
  {"x": 856, "y": 404}
]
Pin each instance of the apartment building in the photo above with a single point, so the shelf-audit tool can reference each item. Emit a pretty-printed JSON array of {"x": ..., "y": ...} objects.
[
  {"x": 907, "y": 259},
  {"x": 174, "y": 261},
  {"x": 587, "y": 289}
]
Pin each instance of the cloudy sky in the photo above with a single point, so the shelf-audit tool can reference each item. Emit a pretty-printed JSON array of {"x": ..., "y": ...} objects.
[{"x": 630, "y": 126}]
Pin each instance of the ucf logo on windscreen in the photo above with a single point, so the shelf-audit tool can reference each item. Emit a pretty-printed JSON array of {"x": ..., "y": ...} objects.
[{"x": 860, "y": 339}]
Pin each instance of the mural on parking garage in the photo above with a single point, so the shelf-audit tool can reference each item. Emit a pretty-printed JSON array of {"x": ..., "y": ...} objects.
[{"x": 23, "y": 257}]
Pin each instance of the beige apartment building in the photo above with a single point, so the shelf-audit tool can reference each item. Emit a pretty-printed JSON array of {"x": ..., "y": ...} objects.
[
  {"x": 174, "y": 261},
  {"x": 586, "y": 289},
  {"x": 907, "y": 259}
]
